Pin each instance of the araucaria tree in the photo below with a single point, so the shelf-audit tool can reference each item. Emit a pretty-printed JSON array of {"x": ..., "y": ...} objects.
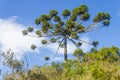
[{"x": 67, "y": 26}]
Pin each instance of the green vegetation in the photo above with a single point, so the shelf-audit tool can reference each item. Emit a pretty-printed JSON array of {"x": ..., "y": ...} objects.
[{"x": 103, "y": 64}]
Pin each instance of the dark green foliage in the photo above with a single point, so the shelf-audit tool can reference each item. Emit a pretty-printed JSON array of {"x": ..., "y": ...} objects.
[
  {"x": 33, "y": 46},
  {"x": 58, "y": 26},
  {"x": 45, "y": 17},
  {"x": 37, "y": 21},
  {"x": 46, "y": 26},
  {"x": 80, "y": 10},
  {"x": 30, "y": 29},
  {"x": 74, "y": 35},
  {"x": 47, "y": 58},
  {"x": 80, "y": 28},
  {"x": 24, "y": 32},
  {"x": 70, "y": 24},
  {"x": 38, "y": 32},
  {"x": 85, "y": 17},
  {"x": 61, "y": 23},
  {"x": 44, "y": 41},
  {"x": 53, "y": 40},
  {"x": 79, "y": 44},
  {"x": 76, "y": 11},
  {"x": 106, "y": 23},
  {"x": 66, "y": 13},
  {"x": 105, "y": 17},
  {"x": 73, "y": 17},
  {"x": 53, "y": 13},
  {"x": 83, "y": 9},
  {"x": 95, "y": 43},
  {"x": 56, "y": 18}
]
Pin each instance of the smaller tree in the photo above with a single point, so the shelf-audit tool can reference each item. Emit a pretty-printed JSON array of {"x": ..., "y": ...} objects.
[
  {"x": 17, "y": 67},
  {"x": 13, "y": 63},
  {"x": 78, "y": 53}
]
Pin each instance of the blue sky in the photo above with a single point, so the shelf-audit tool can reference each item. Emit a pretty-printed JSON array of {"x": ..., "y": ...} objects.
[{"x": 16, "y": 15}]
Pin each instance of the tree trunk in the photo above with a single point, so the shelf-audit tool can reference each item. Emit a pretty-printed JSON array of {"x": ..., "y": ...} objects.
[{"x": 65, "y": 48}]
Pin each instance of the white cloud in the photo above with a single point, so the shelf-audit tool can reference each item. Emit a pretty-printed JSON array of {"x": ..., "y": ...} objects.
[{"x": 11, "y": 37}]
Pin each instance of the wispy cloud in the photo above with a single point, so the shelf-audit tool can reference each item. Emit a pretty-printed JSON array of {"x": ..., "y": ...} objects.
[{"x": 11, "y": 37}]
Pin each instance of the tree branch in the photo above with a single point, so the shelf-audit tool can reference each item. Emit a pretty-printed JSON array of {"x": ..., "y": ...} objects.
[
  {"x": 40, "y": 36},
  {"x": 90, "y": 28},
  {"x": 74, "y": 43},
  {"x": 84, "y": 41},
  {"x": 93, "y": 28},
  {"x": 27, "y": 65},
  {"x": 78, "y": 22},
  {"x": 32, "y": 36},
  {"x": 52, "y": 24},
  {"x": 58, "y": 48}
]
